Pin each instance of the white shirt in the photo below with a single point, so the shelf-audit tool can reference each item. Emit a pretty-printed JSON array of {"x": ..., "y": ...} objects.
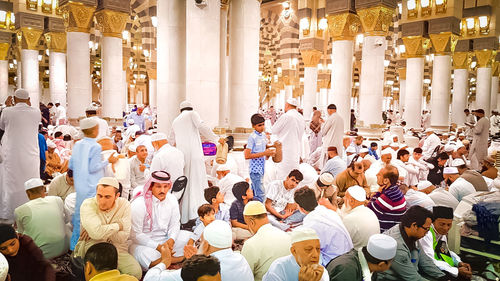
[
  {"x": 60, "y": 113},
  {"x": 361, "y": 223},
  {"x": 426, "y": 243},
  {"x": 121, "y": 172},
  {"x": 430, "y": 144},
  {"x": 287, "y": 269},
  {"x": 280, "y": 196},
  {"x": 460, "y": 188},
  {"x": 333, "y": 236},
  {"x": 169, "y": 159},
  {"x": 226, "y": 186},
  {"x": 442, "y": 197},
  {"x": 414, "y": 197},
  {"x": 165, "y": 224}
]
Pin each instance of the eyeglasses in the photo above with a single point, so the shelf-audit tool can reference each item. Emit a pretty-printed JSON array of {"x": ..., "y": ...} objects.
[{"x": 425, "y": 228}]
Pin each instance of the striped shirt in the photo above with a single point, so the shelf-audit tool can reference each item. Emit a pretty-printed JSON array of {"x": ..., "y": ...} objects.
[{"x": 389, "y": 205}]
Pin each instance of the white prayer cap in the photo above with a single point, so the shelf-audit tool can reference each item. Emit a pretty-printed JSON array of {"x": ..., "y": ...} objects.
[
  {"x": 254, "y": 208},
  {"x": 91, "y": 108},
  {"x": 57, "y": 101},
  {"x": 452, "y": 138},
  {"x": 429, "y": 130},
  {"x": 461, "y": 135},
  {"x": 118, "y": 129},
  {"x": 223, "y": 167},
  {"x": 292, "y": 101},
  {"x": 21, "y": 94},
  {"x": 423, "y": 185},
  {"x": 364, "y": 150},
  {"x": 218, "y": 234},
  {"x": 130, "y": 121},
  {"x": 357, "y": 192},
  {"x": 111, "y": 181},
  {"x": 32, "y": 183},
  {"x": 132, "y": 147},
  {"x": 449, "y": 148},
  {"x": 87, "y": 123},
  {"x": 185, "y": 104},
  {"x": 51, "y": 144},
  {"x": 387, "y": 151},
  {"x": 326, "y": 179},
  {"x": 350, "y": 149},
  {"x": 4, "y": 268},
  {"x": 303, "y": 233},
  {"x": 382, "y": 247},
  {"x": 394, "y": 145},
  {"x": 450, "y": 170},
  {"x": 457, "y": 162},
  {"x": 158, "y": 137}
]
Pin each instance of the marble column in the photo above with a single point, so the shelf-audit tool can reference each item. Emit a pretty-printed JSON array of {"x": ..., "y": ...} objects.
[
  {"x": 203, "y": 59},
  {"x": 78, "y": 18},
  {"x": 483, "y": 80},
  {"x": 19, "y": 75},
  {"x": 56, "y": 42},
  {"x": 440, "y": 92},
  {"x": 244, "y": 61},
  {"x": 171, "y": 61},
  {"x": 224, "y": 94},
  {"x": 4, "y": 72},
  {"x": 29, "y": 38},
  {"x": 460, "y": 86},
  {"x": 152, "y": 88},
  {"x": 494, "y": 93},
  {"x": 311, "y": 59},
  {"x": 402, "y": 95}
]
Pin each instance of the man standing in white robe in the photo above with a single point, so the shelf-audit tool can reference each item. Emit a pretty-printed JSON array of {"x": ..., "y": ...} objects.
[
  {"x": 289, "y": 129},
  {"x": 333, "y": 133},
  {"x": 20, "y": 152},
  {"x": 185, "y": 135},
  {"x": 480, "y": 133},
  {"x": 166, "y": 158}
]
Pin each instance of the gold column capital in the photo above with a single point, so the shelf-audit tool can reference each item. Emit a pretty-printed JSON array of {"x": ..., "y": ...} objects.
[
  {"x": 494, "y": 68},
  {"x": 402, "y": 73},
  {"x": 111, "y": 23},
  {"x": 444, "y": 43},
  {"x": 311, "y": 57},
  {"x": 56, "y": 41},
  {"x": 29, "y": 38},
  {"x": 4, "y": 50},
  {"x": 485, "y": 57},
  {"x": 224, "y": 4},
  {"x": 344, "y": 26},
  {"x": 461, "y": 60},
  {"x": 376, "y": 20},
  {"x": 415, "y": 46},
  {"x": 77, "y": 17}
]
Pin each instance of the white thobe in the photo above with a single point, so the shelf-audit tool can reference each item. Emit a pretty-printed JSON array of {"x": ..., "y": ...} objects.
[
  {"x": 233, "y": 266},
  {"x": 429, "y": 146},
  {"x": 103, "y": 127},
  {"x": 422, "y": 166},
  {"x": 361, "y": 223},
  {"x": 289, "y": 129},
  {"x": 287, "y": 269},
  {"x": 170, "y": 160},
  {"x": 494, "y": 124},
  {"x": 461, "y": 188},
  {"x": 426, "y": 121},
  {"x": 20, "y": 154},
  {"x": 60, "y": 114},
  {"x": 479, "y": 147},
  {"x": 426, "y": 243},
  {"x": 333, "y": 135},
  {"x": 333, "y": 236},
  {"x": 414, "y": 198},
  {"x": 120, "y": 170},
  {"x": 469, "y": 119},
  {"x": 226, "y": 186},
  {"x": 185, "y": 135},
  {"x": 165, "y": 225},
  {"x": 410, "y": 172}
]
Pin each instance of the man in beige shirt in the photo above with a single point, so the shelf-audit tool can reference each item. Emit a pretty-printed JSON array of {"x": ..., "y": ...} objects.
[
  {"x": 62, "y": 185},
  {"x": 107, "y": 218}
]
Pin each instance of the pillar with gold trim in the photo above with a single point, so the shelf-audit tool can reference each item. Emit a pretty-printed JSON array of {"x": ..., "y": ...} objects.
[
  {"x": 55, "y": 38},
  {"x": 5, "y": 42},
  {"x": 311, "y": 59},
  {"x": 111, "y": 19},
  {"x": 461, "y": 62},
  {"x": 376, "y": 18},
  {"x": 77, "y": 16},
  {"x": 343, "y": 26},
  {"x": 29, "y": 31},
  {"x": 444, "y": 35},
  {"x": 485, "y": 52}
]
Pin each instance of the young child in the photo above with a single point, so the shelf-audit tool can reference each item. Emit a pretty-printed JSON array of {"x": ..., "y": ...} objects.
[
  {"x": 257, "y": 151},
  {"x": 206, "y": 214},
  {"x": 216, "y": 199},
  {"x": 243, "y": 194}
]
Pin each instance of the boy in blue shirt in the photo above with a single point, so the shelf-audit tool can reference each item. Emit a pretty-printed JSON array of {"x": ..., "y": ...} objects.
[
  {"x": 257, "y": 151},
  {"x": 373, "y": 150}
]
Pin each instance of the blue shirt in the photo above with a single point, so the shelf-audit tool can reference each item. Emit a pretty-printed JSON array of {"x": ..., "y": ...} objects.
[
  {"x": 286, "y": 268},
  {"x": 236, "y": 211},
  {"x": 42, "y": 144},
  {"x": 257, "y": 143},
  {"x": 138, "y": 120},
  {"x": 373, "y": 153},
  {"x": 88, "y": 168},
  {"x": 334, "y": 166}
]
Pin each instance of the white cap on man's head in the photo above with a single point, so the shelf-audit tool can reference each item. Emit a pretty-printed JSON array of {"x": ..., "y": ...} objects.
[
  {"x": 222, "y": 168},
  {"x": 423, "y": 185},
  {"x": 87, "y": 123},
  {"x": 292, "y": 101},
  {"x": 326, "y": 178},
  {"x": 51, "y": 144},
  {"x": 357, "y": 192},
  {"x": 91, "y": 108},
  {"x": 457, "y": 162},
  {"x": 382, "y": 247},
  {"x": 387, "y": 151},
  {"x": 303, "y": 233},
  {"x": 450, "y": 170},
  {"x": 350, "y": 149},
  {"x": 132, "y": 147},
  {"x": 22, "y": 94},
  {"x": 158, "y": 137},
  {"x": 449, "y": 148},
  {"x": 185, "y": 104},
  {"x": 32, "y": 183},
  {"x": 4, "y": 267},
  {"x": 218, "y": 234},
  {"x": 111, "y": 181}
]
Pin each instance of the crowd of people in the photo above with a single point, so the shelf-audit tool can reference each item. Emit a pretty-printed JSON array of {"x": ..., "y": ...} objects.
[{"x": 302, "y": 201}]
